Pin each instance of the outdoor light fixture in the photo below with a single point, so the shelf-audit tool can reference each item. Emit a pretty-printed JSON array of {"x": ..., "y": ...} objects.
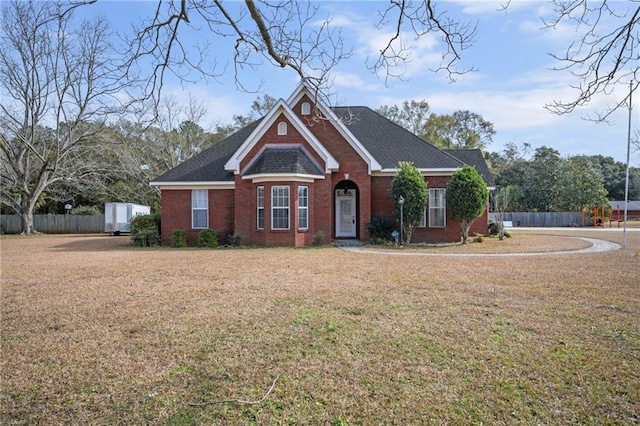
[{"x": 401, "y": 203}]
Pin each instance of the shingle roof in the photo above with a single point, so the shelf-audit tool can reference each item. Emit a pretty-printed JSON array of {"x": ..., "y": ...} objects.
[
  {"x": 208, "y": 166},
  {"x": 474, "y": 157},
  {"x": 386, "y": 141},
  {"x": 390, "y": 143},
  {"x": 284, "y": 160}
]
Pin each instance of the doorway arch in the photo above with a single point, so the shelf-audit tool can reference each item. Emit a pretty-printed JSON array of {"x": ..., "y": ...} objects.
[{"x": 346, "y": 209}]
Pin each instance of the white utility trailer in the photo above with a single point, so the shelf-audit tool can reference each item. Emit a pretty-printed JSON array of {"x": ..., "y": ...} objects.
[{"x": 117, "y": 216}]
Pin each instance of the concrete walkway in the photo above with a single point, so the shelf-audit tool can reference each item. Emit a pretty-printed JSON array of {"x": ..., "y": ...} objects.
[{"x": 597, "y": 246}]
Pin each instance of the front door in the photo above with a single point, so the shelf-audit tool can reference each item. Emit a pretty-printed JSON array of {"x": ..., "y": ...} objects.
[{"x": 345, "y": 213}]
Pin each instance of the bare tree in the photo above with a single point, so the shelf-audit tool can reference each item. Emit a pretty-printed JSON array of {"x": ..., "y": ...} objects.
[
  {"x": 417, "y": 19},
  {"x": 57, "y": 87},
  {"x": 500, "y": 200},
  {"x": 290, "y": 34},
  {"x": 604, "y": 54},
  {"x": 143, "y": 151},
  {"x": 284, "y": 33}
]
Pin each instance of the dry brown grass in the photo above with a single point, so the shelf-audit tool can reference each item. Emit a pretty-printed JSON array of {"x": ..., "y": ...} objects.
[{"x": 97, "y": 332}]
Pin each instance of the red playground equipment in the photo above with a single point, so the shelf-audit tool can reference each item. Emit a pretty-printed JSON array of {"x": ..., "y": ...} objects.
[{"x": 600, "y": 215}]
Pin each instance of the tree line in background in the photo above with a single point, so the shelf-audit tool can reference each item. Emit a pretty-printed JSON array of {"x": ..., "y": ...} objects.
[
  {"x": 541, "y": 180},
  {"x": 82, "y": 121},
  {"x": 130, "y": 154}
]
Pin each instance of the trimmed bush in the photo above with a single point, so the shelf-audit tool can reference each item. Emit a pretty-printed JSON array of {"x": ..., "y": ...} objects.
[
  {"x": 145, "y": 230},
  {"x": 208, "y": 238},
  {"x": 235, "y": 240},
  {"x": 178, "y": 238}
]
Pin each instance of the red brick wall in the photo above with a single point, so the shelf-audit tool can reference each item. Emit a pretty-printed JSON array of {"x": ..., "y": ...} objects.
[
  {"x": 382, "y": 207},
  {"x": 176, "y": 214},
  {"x": 235, "y": 210},
  {"x": 246, "y": 219},
  {"x": 175, "y": 207},
  {"x": 350, "y": 163},
  {"x": 271, "y": 137}
]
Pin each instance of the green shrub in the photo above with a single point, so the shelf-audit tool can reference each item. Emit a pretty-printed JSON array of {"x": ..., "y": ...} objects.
[
  {"x": 178, "y": 238},
  {"x": 318, "y": 238},
  {"x": 494, "y": 227},
  {"x": 86, "y": 210},
  {"x": 145, "y": 230},
  {"x": 235, "y": 240},
  {"x": 208, "y": 238},
  {"x": 378, "y": 241},
  {"x": 381, "y": 227}
]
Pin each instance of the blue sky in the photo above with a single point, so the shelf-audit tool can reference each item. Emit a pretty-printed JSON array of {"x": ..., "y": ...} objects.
[{"x": 512, "y": 83}]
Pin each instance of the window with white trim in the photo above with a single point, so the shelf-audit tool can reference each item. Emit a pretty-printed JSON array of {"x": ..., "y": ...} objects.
[
  {"x": 306, "y": 108},
  {"x": 303, "y": 207},
  {"x": 282, "y": 128},
  {"x": 423, "y": 219},
  {"x": 279, "y": 207},
  {"x": 437, "y": 208},
  {"x": 199, "y": 209},
  {"x": 260, "y": 207}
]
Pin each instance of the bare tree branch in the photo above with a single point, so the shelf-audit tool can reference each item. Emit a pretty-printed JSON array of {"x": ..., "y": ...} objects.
[
  {"x": 280, "y": 32},
  {"x": 604, "y": 55},
  {"x": 420, "y": 21},
  {"x": 60, "y": 89}
]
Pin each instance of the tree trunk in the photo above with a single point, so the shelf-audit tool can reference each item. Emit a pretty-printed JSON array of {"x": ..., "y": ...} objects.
[
  {"x": 26, "y": 217},
  {"x": 26, "y": 224},
  {"x": 408, "y": 232},
  {"x": 464, "y": 226}
]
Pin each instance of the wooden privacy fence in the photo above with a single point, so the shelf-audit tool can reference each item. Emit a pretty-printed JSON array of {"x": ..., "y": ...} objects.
[
  {"x": 543, "y": 219},
  {"x": 56, "y": 223}
]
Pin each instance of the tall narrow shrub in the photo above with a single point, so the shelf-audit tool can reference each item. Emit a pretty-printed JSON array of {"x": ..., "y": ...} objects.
[
  {"x": 410, "y": 184},
  {"x": 467, "y": 197}
]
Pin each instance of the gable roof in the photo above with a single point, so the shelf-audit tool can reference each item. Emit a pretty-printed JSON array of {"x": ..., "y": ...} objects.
[
  {"x": 278, "y": 110},
  {"x": 473, "y": 157},
  {"x": 390, "y": 143},
  {"x": 339, "y": 124},
  {"x": 379, "y": 141},
  {"x": 208, "y": 165}
]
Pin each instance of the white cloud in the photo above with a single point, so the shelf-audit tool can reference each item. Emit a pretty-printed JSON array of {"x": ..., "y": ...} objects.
[
  {"x": 220, "y": 109},
  {"x": 352, "y": 80},
  {"x": 478, "y": 7}
]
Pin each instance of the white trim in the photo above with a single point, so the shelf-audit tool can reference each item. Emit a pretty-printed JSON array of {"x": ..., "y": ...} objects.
[
  {"x": 287, "y": 208},
  {"x": 304, "y": 89},
  {"x": 283, "y": 145},
  {"x": 303, "y": 208},
  {"x": 205, "y": 209},
  {"x": 338, "y": 199},
  {"x": 282, "y": 128},
  {"x": 259, "y": 208},
  {"x": 291, "y": 177},
  {"x": 423, "y": 172},
  {"x": 194, "y": 185},
  {"x": 443, "y": 192},
  {"x": 280, "y": 109}
]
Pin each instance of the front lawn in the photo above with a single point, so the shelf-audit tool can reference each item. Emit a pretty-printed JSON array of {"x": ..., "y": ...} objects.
[{"x": 96, "y": 332}]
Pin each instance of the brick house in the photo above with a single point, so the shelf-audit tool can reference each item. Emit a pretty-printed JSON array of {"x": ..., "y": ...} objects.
[{"x": 307, "y": 170}]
